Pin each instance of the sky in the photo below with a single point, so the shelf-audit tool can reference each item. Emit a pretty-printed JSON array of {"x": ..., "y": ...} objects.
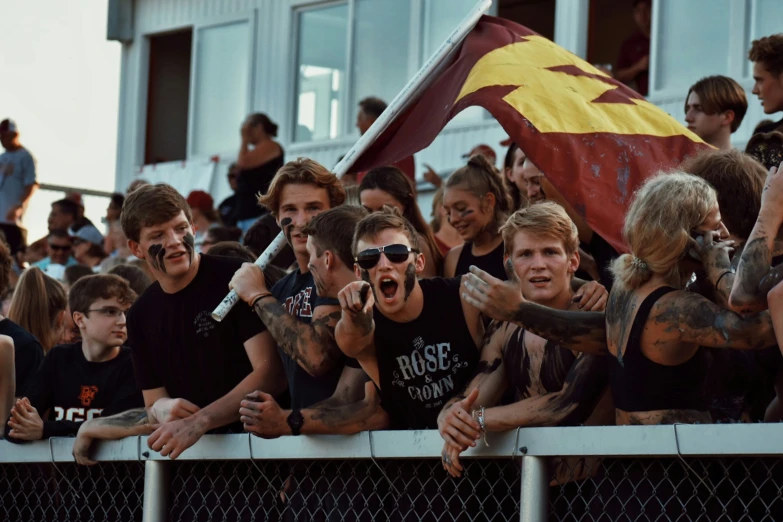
[{"x": 61, "y": 84}]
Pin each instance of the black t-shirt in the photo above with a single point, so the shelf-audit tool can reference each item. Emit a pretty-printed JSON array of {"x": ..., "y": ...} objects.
[
  {"x": 604, "y": 254},
  {"x": 227, "y": 210},
  {"x": 75, "y": 389},
  {"x": 176, "y": 343},
  {"x": 423, "y": 363},
  {"x": 28, "y": 354},
  {"x": 297, "y": 293},
  {"x": 491, "y": 263}
]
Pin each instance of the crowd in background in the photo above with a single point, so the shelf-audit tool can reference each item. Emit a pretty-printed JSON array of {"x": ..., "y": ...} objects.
[{"x": 504, "y": 310}]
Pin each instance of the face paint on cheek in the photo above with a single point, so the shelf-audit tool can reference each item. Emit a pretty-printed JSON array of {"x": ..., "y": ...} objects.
[
  {"x": 410, "y": 280},
  {"x": 156, "y": 254},
  {"x": 465, "y": 213},
  {"x": 287, "y": 227},
  {"x": 190, "y": 244}
]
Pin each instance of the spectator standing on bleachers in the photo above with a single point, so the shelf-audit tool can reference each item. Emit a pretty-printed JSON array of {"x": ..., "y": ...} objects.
[
  {"x": 86, "y": 379},
  {"x": 767, "y": 56},
  {"x": 28, "y": 353},
  {"x": 88, "y": 246},
  {"x": 714, "y": 109},
  {"x": 633, "y": 63},
  {"x": 228, "y": 207},
  {"x": 259, "y": 159},
  {"x": 18, "y": 178},
  {"x": 38, "y": 306}
]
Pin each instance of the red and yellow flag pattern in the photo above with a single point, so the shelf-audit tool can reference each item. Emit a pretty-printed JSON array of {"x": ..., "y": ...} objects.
[{"x": 595, "y": 139}]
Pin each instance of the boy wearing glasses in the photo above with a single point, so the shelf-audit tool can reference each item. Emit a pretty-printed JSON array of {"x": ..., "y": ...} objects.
[
  {"x": 416, "y": 339},
  {"x": 88, "y": 379}
]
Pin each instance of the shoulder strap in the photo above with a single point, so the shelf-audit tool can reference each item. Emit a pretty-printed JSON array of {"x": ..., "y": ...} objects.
[{"x": 635, "y": 337}]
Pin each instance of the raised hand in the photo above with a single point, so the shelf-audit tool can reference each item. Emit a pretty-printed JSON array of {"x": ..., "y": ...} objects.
[
  {"x": 494, "y": 298},
  {"x": 357, "y": 301},
  {"x": 591, "y": 297}
]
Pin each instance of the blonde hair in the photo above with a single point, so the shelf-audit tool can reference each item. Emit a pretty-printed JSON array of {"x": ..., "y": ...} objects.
[
  {"x": 543, "y": 219},
  {"x": 37, "y": 304},
  {"x": 658, "y": 227}
]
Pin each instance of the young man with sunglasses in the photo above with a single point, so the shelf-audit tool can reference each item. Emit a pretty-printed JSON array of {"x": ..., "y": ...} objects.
[
  {"x": 85, "y": 380},
  {"x": 416, "y": 339}
]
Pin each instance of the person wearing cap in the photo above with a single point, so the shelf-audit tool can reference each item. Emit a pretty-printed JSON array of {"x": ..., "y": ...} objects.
[
  {"x": 88, "y": 246},
  {"x": 59, "y": 247},
  {"x": 17, "y": 175},
  {"x": 204, "y": 214}
]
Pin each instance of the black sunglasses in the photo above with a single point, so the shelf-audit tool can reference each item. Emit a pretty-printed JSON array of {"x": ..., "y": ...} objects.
[
  {"x": 396, "y": 253},
  {"x": 61, "y": 248}
]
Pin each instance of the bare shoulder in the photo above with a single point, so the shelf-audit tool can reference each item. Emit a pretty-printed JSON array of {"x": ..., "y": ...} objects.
[
  {"x": 6, "y": 342},
  {"x": 450, "y": 263}
]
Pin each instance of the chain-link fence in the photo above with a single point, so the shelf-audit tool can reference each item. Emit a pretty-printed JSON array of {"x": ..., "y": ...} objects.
[{"x": 400, "y": 478}]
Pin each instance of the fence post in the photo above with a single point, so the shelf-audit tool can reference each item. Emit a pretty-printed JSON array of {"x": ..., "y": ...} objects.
[
  {"x": 157, "y": 481},
  {"x": 534, "y": 490}
]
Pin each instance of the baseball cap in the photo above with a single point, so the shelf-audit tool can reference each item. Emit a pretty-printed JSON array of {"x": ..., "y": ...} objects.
[
  {"x": 90, "y": 234},
  {"x": 8, "y": 125},
  {"x": 483, "y": 149},
  {"x": 200, "y": 200}
]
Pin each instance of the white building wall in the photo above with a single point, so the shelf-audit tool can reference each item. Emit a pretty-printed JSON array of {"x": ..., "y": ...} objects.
[{"x": 272, "y": 73}]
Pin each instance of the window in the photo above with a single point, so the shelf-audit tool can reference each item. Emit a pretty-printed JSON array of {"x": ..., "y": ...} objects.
[
  {"x": 221, "y": 87},
  {"x": 321, "y": 67},
  {"x": 687, "y": 50},
  {"x": 168, "y": 92},
  {"x": 768, "y": 14}
]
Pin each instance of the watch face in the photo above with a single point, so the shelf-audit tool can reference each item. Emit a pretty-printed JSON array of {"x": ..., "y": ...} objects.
[{"x": 295, "y": 421}]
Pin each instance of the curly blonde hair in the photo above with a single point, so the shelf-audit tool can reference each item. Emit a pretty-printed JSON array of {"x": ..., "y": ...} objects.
[{"x": 658, "y": 227}]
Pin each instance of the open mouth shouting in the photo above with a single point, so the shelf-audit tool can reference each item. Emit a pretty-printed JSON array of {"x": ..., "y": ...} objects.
[
  {"x": 539, "y": 281},
  {"x": 388, "y": 288}
]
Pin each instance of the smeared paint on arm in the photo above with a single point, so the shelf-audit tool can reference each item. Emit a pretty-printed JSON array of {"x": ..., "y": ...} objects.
[
  {"x": 690, "y": 318},
  {"x": 579, "y": 331},
  {"x": 313, "y": 345},
  {"x": 747, "y": 291},
  {"x": 572, "y": 405}
]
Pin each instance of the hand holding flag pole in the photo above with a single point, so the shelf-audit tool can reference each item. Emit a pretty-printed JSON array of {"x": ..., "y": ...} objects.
[{"x": 416, "y": 84}]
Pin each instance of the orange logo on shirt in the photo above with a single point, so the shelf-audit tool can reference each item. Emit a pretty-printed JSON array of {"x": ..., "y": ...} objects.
[{"x": 87, "y": 394}]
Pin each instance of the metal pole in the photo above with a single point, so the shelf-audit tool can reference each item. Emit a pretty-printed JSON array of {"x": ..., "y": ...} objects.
[
  {"x": 534, "y": 490},
  {"x": 157, "y": 482}
]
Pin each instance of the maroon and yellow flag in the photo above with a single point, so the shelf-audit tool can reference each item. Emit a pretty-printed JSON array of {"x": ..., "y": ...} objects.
[{"x": 594, "y": 138}]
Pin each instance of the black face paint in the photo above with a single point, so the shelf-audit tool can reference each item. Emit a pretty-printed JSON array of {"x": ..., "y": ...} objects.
[
  {"x": 410, "y": 280},
  {"x": 285, "y": 224},
  {"x": 465, "y": 213},
  {"x": 156, "y": 254},
  {"x": 190, "y": 245},
  {"x": 486, "y": 367}
]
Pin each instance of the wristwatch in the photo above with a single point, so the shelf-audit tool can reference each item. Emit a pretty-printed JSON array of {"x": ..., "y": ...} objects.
[{"x": 295, "y": 421}]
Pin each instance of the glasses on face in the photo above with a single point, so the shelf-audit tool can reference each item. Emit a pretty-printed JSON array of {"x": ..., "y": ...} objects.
[
  {"x": 395, "y": 253},
  {"x": 109, "y": 311},
  {"x": 60, "y": 248}
]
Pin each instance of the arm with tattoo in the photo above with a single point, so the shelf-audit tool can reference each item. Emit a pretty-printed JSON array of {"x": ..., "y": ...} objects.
[
  {"x": 690, "y": 318},
  {"x": 132, "y": 422},
  {"x": 584, "y": 385},
  {"x": 312, "y": 345}
]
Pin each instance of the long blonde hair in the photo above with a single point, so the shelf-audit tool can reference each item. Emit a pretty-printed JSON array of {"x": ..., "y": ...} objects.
[
  {"x": 37, "y": 305},
  {"x": 658, "y": 227}
]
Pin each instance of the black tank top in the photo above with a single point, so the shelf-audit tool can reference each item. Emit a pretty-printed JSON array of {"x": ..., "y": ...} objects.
[
  {"x": 491, "y": 263},
  {"x": 423, "y": 363},
  {"x": 252, "y": 182},
  {"x": 639, "y": 384}
]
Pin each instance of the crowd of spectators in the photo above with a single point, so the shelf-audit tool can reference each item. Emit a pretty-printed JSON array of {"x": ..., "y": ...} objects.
[{"x": 506, "y": 311}]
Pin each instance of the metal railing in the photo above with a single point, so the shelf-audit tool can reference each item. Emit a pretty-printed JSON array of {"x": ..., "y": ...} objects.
[{"x": 680, "y": 472}]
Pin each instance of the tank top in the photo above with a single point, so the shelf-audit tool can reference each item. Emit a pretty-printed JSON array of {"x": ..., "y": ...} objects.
[
  {"x": 491, "y": 263},
  {"x": 252, "y": 182},
  {"x": 639, "y": 384},
  {"x": 423, "y": 363}
]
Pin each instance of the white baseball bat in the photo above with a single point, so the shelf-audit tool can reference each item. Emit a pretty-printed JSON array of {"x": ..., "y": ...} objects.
[{"x": 262, "y": 262}]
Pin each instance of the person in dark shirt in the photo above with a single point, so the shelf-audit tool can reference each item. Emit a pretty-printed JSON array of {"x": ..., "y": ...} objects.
[
  {"x": 28, "y": 353},
  {"x": 298, "y": 317},
  {"x": 192, "y": 371},
  {"x": 766, "y": 53},
  {"x": 397, "y": 331},
  {"x": 82, "y": 381},
  {"x": 551, "y": 384},
  {"x": 228, "y": 207},
  {"x": 633, "y": 64},
  {"x": 329, "y": 238}
]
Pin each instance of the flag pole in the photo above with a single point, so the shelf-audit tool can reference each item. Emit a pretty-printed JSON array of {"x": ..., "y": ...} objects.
[
  {"x": 416, "y": 84},
  {"x": 419, "y": 81}
]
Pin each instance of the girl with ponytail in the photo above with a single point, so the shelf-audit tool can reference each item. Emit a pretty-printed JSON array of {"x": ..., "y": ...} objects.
[
  {"x": 476, "y": 205},
  {"x": 38, "y": 306},
  {"x": 657, "y": 330}
]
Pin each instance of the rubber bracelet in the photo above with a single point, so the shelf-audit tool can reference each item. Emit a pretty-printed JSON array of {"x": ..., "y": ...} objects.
[{"x": 259, "y": 297}]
